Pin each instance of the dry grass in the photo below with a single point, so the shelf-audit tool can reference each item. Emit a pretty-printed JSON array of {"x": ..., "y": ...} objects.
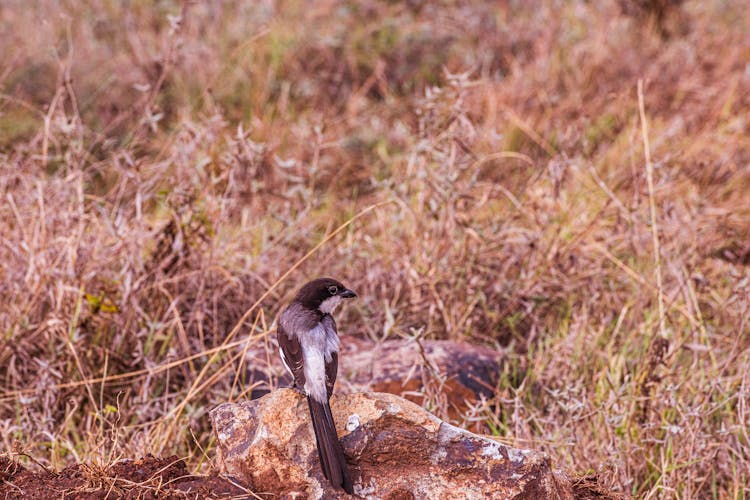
[{"x": 164, "y": 168}]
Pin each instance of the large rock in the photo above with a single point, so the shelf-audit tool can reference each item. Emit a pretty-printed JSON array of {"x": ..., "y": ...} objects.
[
  {"x": 395, "y": 449},
  {"x": 463, "y": 372}
]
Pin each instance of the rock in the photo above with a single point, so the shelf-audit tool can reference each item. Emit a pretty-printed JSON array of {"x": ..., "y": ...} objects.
[
  {"x": 394, "y": 448},
  {"x": 463, "y": 372}
]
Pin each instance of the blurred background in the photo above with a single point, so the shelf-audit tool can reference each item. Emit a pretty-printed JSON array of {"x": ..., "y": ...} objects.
[{"x": 475, "y": 170}]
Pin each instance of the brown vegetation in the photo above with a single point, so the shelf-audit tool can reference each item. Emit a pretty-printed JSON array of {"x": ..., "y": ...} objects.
[{"x": 474, "y": 170}]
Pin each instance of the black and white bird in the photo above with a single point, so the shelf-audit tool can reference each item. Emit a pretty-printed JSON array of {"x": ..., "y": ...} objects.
[{"x": 309, "y": 347}]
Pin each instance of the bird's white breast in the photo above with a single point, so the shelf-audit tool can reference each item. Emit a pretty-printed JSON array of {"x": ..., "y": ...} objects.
[{"x": 318, "y": 345}]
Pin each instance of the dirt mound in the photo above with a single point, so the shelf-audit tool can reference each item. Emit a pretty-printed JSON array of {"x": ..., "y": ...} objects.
[{"x": 147, "y": 478}]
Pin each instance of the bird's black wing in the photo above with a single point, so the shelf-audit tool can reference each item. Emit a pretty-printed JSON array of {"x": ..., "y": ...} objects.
[
  {"x": 291, "y": 354},
  {"x": 332, "y": 367}
]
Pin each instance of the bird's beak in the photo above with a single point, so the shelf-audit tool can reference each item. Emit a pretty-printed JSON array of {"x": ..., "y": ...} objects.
[{"x": 347, "y": 294}]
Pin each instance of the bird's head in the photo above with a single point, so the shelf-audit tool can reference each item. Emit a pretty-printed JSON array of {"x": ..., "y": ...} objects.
[{"x": 323, "y": 294}]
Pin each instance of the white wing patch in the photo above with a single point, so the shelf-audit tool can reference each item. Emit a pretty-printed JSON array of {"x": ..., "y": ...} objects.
[{"x": 283, "y": 360}]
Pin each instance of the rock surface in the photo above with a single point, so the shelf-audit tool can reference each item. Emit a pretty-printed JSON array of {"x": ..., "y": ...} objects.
[
  {"x": 463, "y": 372},
  {"x": 394, "y": 448}
]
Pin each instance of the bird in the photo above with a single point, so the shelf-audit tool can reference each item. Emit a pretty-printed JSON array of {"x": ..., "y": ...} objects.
[{"x": 309, "y": 348}]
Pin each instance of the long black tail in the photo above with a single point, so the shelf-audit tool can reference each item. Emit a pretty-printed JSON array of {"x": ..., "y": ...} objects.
[{"x": 329, "y": 448}]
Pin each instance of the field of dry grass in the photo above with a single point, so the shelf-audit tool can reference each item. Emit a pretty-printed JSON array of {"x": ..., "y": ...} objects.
[{"x": 486, "y": 171}]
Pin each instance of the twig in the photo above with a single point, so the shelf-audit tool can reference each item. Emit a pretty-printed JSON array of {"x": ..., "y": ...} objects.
[{"x": 652, "y": 207}]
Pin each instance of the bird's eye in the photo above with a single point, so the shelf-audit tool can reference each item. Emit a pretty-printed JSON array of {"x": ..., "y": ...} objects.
[{"x": 333, "y": 289}]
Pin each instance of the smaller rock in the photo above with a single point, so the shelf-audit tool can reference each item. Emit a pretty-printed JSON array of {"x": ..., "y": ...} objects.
[{"x": 463, "y": 372}]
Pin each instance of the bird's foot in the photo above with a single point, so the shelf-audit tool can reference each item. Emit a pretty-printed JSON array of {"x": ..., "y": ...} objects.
[{"x": 296, "y": 388}]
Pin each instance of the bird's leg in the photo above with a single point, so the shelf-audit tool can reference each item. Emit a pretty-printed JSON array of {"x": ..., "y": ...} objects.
[{"x": 294, "y": 386}]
